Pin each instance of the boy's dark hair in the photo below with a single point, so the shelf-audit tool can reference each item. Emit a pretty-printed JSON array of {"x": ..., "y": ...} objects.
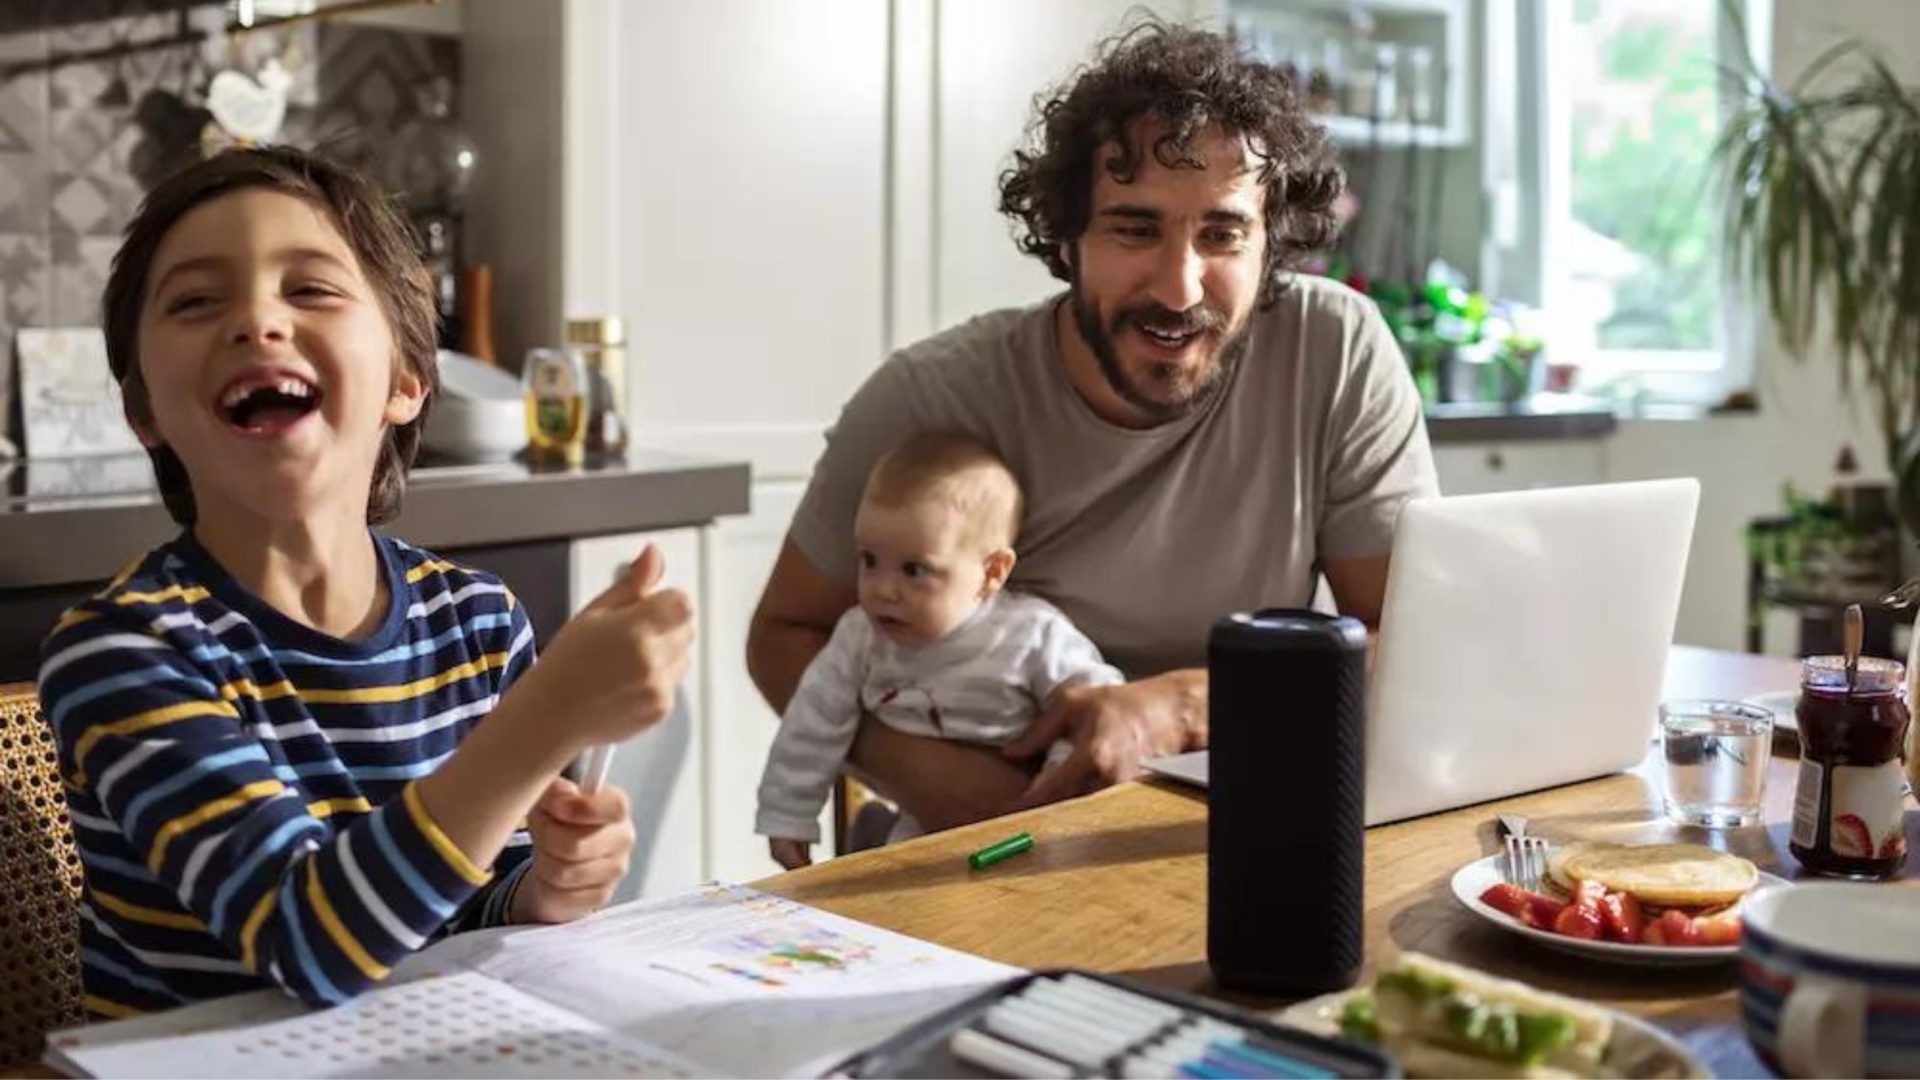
[
  {"x": 1184, "y": 81},
  {"x": 375, "y": 230}
]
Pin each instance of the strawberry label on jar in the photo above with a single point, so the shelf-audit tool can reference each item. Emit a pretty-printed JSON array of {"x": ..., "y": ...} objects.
[{"x": 1866, "y": 808}]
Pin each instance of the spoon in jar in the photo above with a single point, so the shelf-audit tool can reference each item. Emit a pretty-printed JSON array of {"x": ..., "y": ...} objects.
[
  {"x": 1854, "y": 634},
  {"x": 1904, "y": 596}
]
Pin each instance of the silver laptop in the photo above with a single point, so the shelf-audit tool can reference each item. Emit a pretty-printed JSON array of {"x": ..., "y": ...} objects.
[{"x": 1522, "y": 646}]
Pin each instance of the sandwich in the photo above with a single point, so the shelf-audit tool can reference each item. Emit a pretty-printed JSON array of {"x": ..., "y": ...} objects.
[{"x": 1441, "y": 1019}]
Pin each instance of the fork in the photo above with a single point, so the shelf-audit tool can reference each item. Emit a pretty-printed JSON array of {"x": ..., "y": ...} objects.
[{"x": 1525, "y": 860}]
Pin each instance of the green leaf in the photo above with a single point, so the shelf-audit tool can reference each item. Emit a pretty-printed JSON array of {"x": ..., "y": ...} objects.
[{"x": 1822, "y": 223}]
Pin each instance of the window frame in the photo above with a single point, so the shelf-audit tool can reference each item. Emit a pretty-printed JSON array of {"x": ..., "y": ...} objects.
[{"x": 1527, "y": 163}]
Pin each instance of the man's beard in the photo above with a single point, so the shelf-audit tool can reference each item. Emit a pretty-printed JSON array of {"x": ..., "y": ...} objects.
[{"x": 1208, "y": 321}]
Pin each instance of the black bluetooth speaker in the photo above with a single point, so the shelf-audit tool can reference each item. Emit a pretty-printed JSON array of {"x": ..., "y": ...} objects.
[{"x": 1286, "y": 801}]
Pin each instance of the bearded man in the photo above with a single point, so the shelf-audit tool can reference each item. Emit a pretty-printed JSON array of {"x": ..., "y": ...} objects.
[{"x": 1198, "y": 429}]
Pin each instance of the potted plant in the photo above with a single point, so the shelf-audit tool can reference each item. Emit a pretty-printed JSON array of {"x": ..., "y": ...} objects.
[{"x": 1822, "y": 221}]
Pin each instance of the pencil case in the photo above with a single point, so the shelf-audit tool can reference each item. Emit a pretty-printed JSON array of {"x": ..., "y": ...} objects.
[{"x": 1073, "y": 1023}]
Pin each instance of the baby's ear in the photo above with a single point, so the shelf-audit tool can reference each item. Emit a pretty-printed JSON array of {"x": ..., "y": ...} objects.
[
  {"x": 999, "y": 565},
  {"x": 407, "y": 396}
]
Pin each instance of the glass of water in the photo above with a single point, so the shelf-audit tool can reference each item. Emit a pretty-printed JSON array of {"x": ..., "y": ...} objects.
[{"x": 1716, "y": 755}]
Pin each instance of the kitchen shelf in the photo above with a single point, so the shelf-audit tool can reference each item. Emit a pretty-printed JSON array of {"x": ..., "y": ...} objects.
[
  {"x": 1339, "y": 34},
  {"x": 1357, "y": 131}
]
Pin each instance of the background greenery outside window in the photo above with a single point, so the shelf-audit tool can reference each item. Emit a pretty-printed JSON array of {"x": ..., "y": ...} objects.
[{"x": 1614, "y": 115}]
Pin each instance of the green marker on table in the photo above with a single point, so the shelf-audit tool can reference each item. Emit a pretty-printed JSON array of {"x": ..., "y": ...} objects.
[{"x": 993, "y": 853}]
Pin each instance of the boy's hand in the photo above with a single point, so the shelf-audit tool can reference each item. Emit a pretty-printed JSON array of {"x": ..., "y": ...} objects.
[
  {"x": 791, "y": 854},
  {"x": 582, "y": 844},
  {"x": 611, "y": 671}
]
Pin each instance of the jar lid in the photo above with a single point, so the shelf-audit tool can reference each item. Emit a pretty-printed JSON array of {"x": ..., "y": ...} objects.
[
  {"x": 607, "y": 330},
  {"x": 1874, "y": 675}
]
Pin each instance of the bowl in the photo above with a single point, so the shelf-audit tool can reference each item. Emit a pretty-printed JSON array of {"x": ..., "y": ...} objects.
[{"x": 484, "y": 429}]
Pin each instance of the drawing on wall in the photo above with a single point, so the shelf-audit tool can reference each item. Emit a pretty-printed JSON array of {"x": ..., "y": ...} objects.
[{"x": 69, "y": 403}]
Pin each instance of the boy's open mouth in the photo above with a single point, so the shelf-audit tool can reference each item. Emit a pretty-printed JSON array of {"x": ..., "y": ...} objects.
[{"x": 267, "y": 404}]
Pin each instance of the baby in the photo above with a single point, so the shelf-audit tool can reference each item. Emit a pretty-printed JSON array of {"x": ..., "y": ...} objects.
[{"x": 934, "y": 647}]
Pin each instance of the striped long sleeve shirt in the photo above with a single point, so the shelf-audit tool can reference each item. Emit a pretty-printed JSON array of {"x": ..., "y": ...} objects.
[{"x": 242, "y": 787}]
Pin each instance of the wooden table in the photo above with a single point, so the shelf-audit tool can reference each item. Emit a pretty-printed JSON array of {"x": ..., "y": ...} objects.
[{"x": 1116, "y": 882}]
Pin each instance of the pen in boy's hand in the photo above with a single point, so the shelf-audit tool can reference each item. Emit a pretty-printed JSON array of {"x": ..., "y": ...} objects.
[{"x": 593, "y": 771}]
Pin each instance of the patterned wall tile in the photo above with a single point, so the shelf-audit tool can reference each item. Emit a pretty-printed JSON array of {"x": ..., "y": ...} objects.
[
  {"x": 25, "y": 16},
  {"x": 370, "y": 86},
  {"x": 91, "y": 187},
  {"x": 24, "y": 273},
  {"x": 23, "y": 131},
  {"x": 23, "y": 192},
  {"x": 81, "y": 142},
  {"x": 79, "y": 281}
]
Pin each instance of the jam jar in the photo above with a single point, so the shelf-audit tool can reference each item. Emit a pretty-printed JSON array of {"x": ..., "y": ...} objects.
[{"x": 1848, "y": 807}]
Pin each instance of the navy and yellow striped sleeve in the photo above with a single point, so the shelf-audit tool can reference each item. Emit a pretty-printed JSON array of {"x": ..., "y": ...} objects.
[
  {"x": 153, "y": 738},
  {"x": 493, "y": 905}
]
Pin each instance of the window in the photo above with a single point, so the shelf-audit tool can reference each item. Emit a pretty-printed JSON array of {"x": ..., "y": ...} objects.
[{"x": 1612, "y": 117}]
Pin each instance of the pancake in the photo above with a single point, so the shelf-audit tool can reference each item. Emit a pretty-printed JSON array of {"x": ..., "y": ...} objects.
[
  {"x": 1557, "y": 860},
  {"x": 1668, "y": 875}
]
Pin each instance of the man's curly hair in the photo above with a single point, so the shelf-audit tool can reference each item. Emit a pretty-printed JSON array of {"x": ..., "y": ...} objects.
[{"x": 1185, "y": 81}]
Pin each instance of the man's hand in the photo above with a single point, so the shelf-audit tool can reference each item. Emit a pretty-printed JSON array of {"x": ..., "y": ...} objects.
[
  {"x": 941, "y": 782},
  {"x": 582, "y": 844},
  {"x": 790, "y": 854},
  {"x": 1113, "y": 728}
]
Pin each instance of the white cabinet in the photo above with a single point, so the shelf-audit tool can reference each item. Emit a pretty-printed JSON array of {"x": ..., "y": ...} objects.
[
  {"x": 1474, "y": 468},
  {"x": 661, "y": 769},
  {"x": 713, "y": 173},
  {"x": 739, "y": 726},
  {"x": 994, "y": 56},
  {"x": 717, "y": 174},
  {"x": 693, "y": 778}
]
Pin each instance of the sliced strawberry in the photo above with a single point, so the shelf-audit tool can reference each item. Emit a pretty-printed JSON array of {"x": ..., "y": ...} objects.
[
  {"x": 1894, "y": 846},
  {"x": 1531, "y": 908},
  {"x": 1588, "y": 894},
  {"x": 1673, "y": 927},
  {"x": 1851, "y": 837},
  {"x": 1541, "y": 911},
  {"x": 1508, "y": 898},
  {"x": 1578, "y": 922},
  {"x": 1720, "y": 928},
  {"x": 1621, "y": 916}
]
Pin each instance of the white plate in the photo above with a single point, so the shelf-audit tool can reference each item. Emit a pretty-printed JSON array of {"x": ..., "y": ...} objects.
[
  {"x": 1781, "y": 705},
  {"x": 1477, "y": 877},
  {"x": 1637, "y": 1049}
]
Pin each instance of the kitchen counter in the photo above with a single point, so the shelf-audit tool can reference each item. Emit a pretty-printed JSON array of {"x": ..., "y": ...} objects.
[
  {"x": 1544, "y": 416},
  {"x": 69, "y": 521},
  {"x": 68, "y": 525}
]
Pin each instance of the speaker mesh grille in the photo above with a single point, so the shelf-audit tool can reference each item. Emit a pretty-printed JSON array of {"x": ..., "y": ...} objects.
[{"x": 1286, "y": 813}]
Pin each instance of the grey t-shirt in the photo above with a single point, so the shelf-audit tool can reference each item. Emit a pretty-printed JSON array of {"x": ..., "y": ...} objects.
[{"x": 1145, "y": 537}]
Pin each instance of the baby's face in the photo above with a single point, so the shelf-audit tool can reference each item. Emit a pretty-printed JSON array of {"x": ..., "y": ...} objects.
[
  {"x": 918, "y": 577},
  {"x": 267, "y": 357}
]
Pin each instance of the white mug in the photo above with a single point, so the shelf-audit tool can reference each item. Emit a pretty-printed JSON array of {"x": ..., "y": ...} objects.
[{"x": 1817, "y": 961}]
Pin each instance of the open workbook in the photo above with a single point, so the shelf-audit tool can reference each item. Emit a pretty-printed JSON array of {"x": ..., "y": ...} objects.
[{"x": 718, "y": 981}]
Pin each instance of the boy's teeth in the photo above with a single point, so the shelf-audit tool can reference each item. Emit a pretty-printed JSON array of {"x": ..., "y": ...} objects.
[{"x": 290, "y": 387}]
